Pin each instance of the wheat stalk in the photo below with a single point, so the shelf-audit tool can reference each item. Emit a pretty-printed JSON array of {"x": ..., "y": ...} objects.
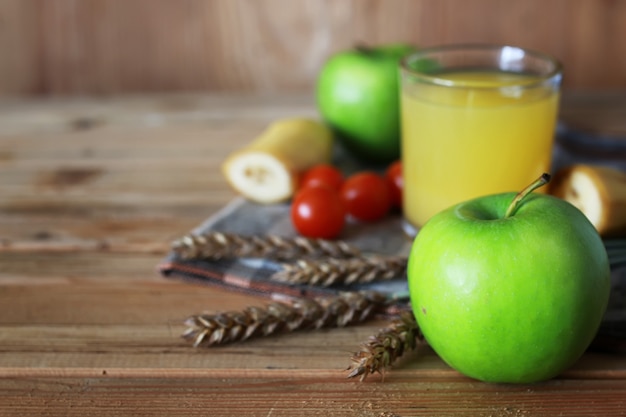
[
  {"x": 219, "y": 245},
  {"x": 328, "y": 272},
  {"x": 278, "y": 317},
  {"x": 382, "y": 349}
]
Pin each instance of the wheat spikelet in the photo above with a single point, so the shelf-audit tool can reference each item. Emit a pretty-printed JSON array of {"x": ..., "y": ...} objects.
[
  {"x": 382, "y": 349},
  {"x": 218, "y": 245},
  {"x": 278, "y": 317},
  {"x": 327, "y": 272}
]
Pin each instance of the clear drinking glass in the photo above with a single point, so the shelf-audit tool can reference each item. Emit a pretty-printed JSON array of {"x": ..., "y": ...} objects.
[{"x": 476, "y": 120}]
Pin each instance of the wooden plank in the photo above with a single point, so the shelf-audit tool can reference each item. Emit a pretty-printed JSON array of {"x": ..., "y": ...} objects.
[
  {"x": 120, "y": 182},
  {"x": 106, "y": 47},
  {"x": 65, "y": 115},
  {"x": 306, "y": 396},
  {"x": 21, "y": 63}
]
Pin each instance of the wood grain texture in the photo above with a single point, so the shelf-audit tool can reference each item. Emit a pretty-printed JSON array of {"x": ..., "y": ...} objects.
[
  {"x": 103, "y": 47},
  {"x": 92, "y": 192},
  {"x": 310, "y": 396}
]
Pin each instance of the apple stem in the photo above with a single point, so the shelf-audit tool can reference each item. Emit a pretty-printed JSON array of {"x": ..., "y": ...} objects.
[{"x": 517, "y": 200}]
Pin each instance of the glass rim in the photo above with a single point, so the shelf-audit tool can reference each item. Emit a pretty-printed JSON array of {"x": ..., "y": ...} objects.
[{"x": 538, "y": 79}]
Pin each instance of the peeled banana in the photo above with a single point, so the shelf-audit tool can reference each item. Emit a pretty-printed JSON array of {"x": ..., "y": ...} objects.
[
  {"x": 267, "y": 170},
  {"x": 598, "y": 191}
]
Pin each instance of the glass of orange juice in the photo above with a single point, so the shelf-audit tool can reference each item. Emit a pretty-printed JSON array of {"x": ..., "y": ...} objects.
[{"x": 476, "y": 120}]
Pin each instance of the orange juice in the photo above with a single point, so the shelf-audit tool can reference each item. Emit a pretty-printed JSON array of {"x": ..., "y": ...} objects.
[{"x": 488, "y": 132}]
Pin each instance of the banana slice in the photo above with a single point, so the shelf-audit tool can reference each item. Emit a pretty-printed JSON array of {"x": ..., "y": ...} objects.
[
  {"x": 598, "y": 191},
  {"x": 267, "y": 170}
]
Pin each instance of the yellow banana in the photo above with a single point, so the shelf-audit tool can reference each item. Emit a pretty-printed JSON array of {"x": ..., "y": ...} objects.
[
  {"x": 267, "y": 170},
  {"x": 598, "y": 191}
]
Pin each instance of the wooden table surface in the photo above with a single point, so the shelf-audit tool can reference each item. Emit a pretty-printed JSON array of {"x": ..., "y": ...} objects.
[{"x": 92, "y": 192}]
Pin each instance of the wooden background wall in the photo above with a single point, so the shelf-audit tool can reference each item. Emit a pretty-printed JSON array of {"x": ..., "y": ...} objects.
[{"x": 68, "y": 47}]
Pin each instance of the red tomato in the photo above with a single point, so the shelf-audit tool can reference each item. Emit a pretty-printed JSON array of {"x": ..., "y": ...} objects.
[
  {"x": 322, "y": 174},
  {"x": 318, "y": 212},
  {"x": 366, "y": 195},
  {"x": 396, "y": 183}
]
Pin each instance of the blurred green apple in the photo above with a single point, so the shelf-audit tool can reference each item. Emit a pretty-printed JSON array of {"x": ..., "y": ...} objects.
[
  {"x": 509, "y": 292},
  {"x": 357, "y": 95}
]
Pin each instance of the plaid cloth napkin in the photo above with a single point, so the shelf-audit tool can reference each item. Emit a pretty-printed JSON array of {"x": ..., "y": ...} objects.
[{"x": 252, "y": 275}]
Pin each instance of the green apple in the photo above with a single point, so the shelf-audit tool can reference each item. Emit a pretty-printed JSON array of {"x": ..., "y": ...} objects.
[
  {"x": 509, "y": 288},
  {"x": 357, "y": 95}
]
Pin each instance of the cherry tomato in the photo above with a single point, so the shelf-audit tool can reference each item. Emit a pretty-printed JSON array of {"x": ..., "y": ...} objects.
[
  {"x": 322, "y": 174},
  {"x": 318, "y": 212},
  {"x": 393, "y": 174},
  {"x": 366, "y": 195}
]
